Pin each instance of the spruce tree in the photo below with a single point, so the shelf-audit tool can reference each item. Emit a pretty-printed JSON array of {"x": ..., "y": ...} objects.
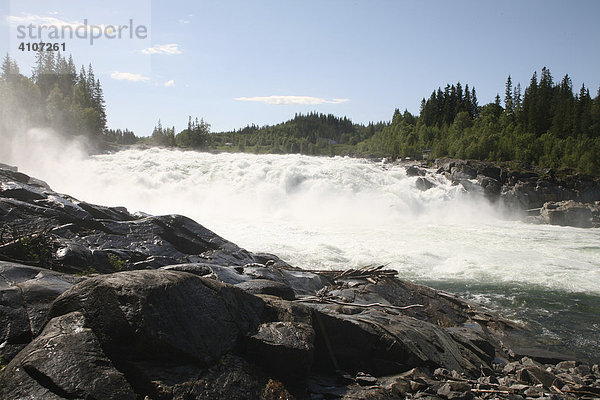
[{"x": 509, "y": 106}]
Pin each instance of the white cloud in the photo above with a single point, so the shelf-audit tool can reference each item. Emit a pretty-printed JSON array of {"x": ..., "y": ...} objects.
[
  {"x": 291, "y": 100},
  {"x": 184, "y": 21},
  {"x": 169, "y": 83},
  {"x": 40, "y": 20},
  {"x": 171, "y": 48},
  {"x": 128, "y": 76}
]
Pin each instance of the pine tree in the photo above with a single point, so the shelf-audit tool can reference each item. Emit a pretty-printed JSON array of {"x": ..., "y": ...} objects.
[
  {"x": 99, "y": 105},
  {"x": 474, "y": 108},
  {"x": 530, "y": 105},
  {"x": 518, "y": 103},
  {"x": 509, "y": 107}
]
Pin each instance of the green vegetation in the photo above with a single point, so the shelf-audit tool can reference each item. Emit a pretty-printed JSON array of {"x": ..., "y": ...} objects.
[
  {"x": 313, "y": 134},
  {"x": 547, "y": 125},
  {"x": 23, "y": 245},
  {"x": 54, "y": 96},
  {"x": 88, "y": 272},
  {"x": 116, "y": 262}
]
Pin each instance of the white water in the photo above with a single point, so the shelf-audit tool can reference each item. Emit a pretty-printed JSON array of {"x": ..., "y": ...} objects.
[{"x": 339, "y": 213}]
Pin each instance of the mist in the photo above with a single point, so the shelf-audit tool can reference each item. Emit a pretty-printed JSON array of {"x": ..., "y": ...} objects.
[
  {"x": 44, "y": 153},
  {"x": 333, "y": 213}
]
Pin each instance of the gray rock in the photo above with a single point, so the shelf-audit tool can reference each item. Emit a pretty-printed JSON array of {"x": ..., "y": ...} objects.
[
  {"x": 413, "y": 170},
  {"x": 303, "y": 282},
  {"x": 20, "y": 191},
  {"x": 570, "y": 213},
  {"x": 491, "y": 187},
  {"x": 424, "y": 184},
  {"x": 264, "y": 286},
  {"x": 65, "y": 361},
  {"x": 462, "y": 172},
  {"x": 82, "y": 233},
  {"x": 7, "y": 167},
  {"x": 26, "y": 294},
  {"x": 372, "y": 343},
  {"x": 284, "y": 348},
  {"x": 162, "y": 313}
]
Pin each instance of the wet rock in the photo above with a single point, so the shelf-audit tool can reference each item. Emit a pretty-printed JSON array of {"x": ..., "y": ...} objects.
[
  {"x": 26, "y": 294},
  {"x": 284, "y": 348},
  {"x": 231, "y": 275},
  {"x": 413, "y": 170},
  {"x": 424, "y": 184},
  {"x": 566, "y": 365},
  {"x": 162, "y": 312},
  {"x": 65, "y": 361},
  {"x": 536, "y": 375},
  {"x": 111, "y": 213},
  {"x": 176, "y": 331},
  {"x": 455, "y": 390},
  {"x": 491, "y": 187},
  {"x": 476, "y": 341},
  {"x": 365, "y": 379},
  {"x": 372, "y": 343},
  {"x": 8, "y": 168},
  {"x": 570, "y": 213},
  {"x": 462, "y": 172},
  {"x": 20, "y": 191},
  {"x": 303, "y": 282},
  {"x": 264, "y": 286},
  {"x": 232, "y": 378}
]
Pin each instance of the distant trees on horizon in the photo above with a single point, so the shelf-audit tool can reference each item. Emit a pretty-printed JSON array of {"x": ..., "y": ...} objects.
[{"x": 547, "y": 124}]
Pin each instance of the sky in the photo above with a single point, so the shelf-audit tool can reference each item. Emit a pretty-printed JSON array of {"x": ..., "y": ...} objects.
[{"x": 241, "y": 62}]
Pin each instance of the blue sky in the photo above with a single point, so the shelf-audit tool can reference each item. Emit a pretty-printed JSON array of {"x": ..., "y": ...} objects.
[{"x": 235, "y": 63}]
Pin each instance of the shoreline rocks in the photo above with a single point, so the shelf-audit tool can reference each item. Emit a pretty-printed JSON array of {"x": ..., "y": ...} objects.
[
  {"x": 565, "y": 199},
  {"x": 96, "y": 302}
]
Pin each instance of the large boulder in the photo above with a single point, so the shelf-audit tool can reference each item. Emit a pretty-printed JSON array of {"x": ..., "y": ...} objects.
[
  {"x": 413, "y": 170},
  {"x": 571, "y": 213},
  {"x": 26, "y": 294},
  {"x": 284, "y": 348},
  {"x": 65, "y": 361},
  {"x": 424, "y": 184},
  {"x": 161, "y": 313}
]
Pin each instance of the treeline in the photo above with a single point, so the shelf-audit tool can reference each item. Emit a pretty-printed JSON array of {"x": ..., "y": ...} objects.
[
  {"x": 55, "y": 95},
  {"x": 120, "y": 136},
  {"x": 312, "y": 134},
  {"x": 549, "y": 125},
  {"x": 195, "y": 136}
]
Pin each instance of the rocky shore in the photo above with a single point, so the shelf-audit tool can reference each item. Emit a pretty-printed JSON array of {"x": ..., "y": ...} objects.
[
  {"x": 100, "y": 303},
  {"x": 541, "y": 197}
]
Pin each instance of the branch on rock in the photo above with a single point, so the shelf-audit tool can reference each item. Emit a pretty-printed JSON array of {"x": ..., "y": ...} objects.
[
  {"x": 493, "y": 391},
  {"x": 316, "y": 299}
]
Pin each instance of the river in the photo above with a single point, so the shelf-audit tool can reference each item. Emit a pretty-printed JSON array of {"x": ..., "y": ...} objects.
[{"x": 337, "y": 213}]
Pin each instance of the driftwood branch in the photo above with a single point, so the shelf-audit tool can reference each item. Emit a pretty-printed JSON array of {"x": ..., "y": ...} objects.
[
  {"x": 314, "y": 299},
  {"x": 493, "y": 391},
  {"x": 581, "y": 392}
]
